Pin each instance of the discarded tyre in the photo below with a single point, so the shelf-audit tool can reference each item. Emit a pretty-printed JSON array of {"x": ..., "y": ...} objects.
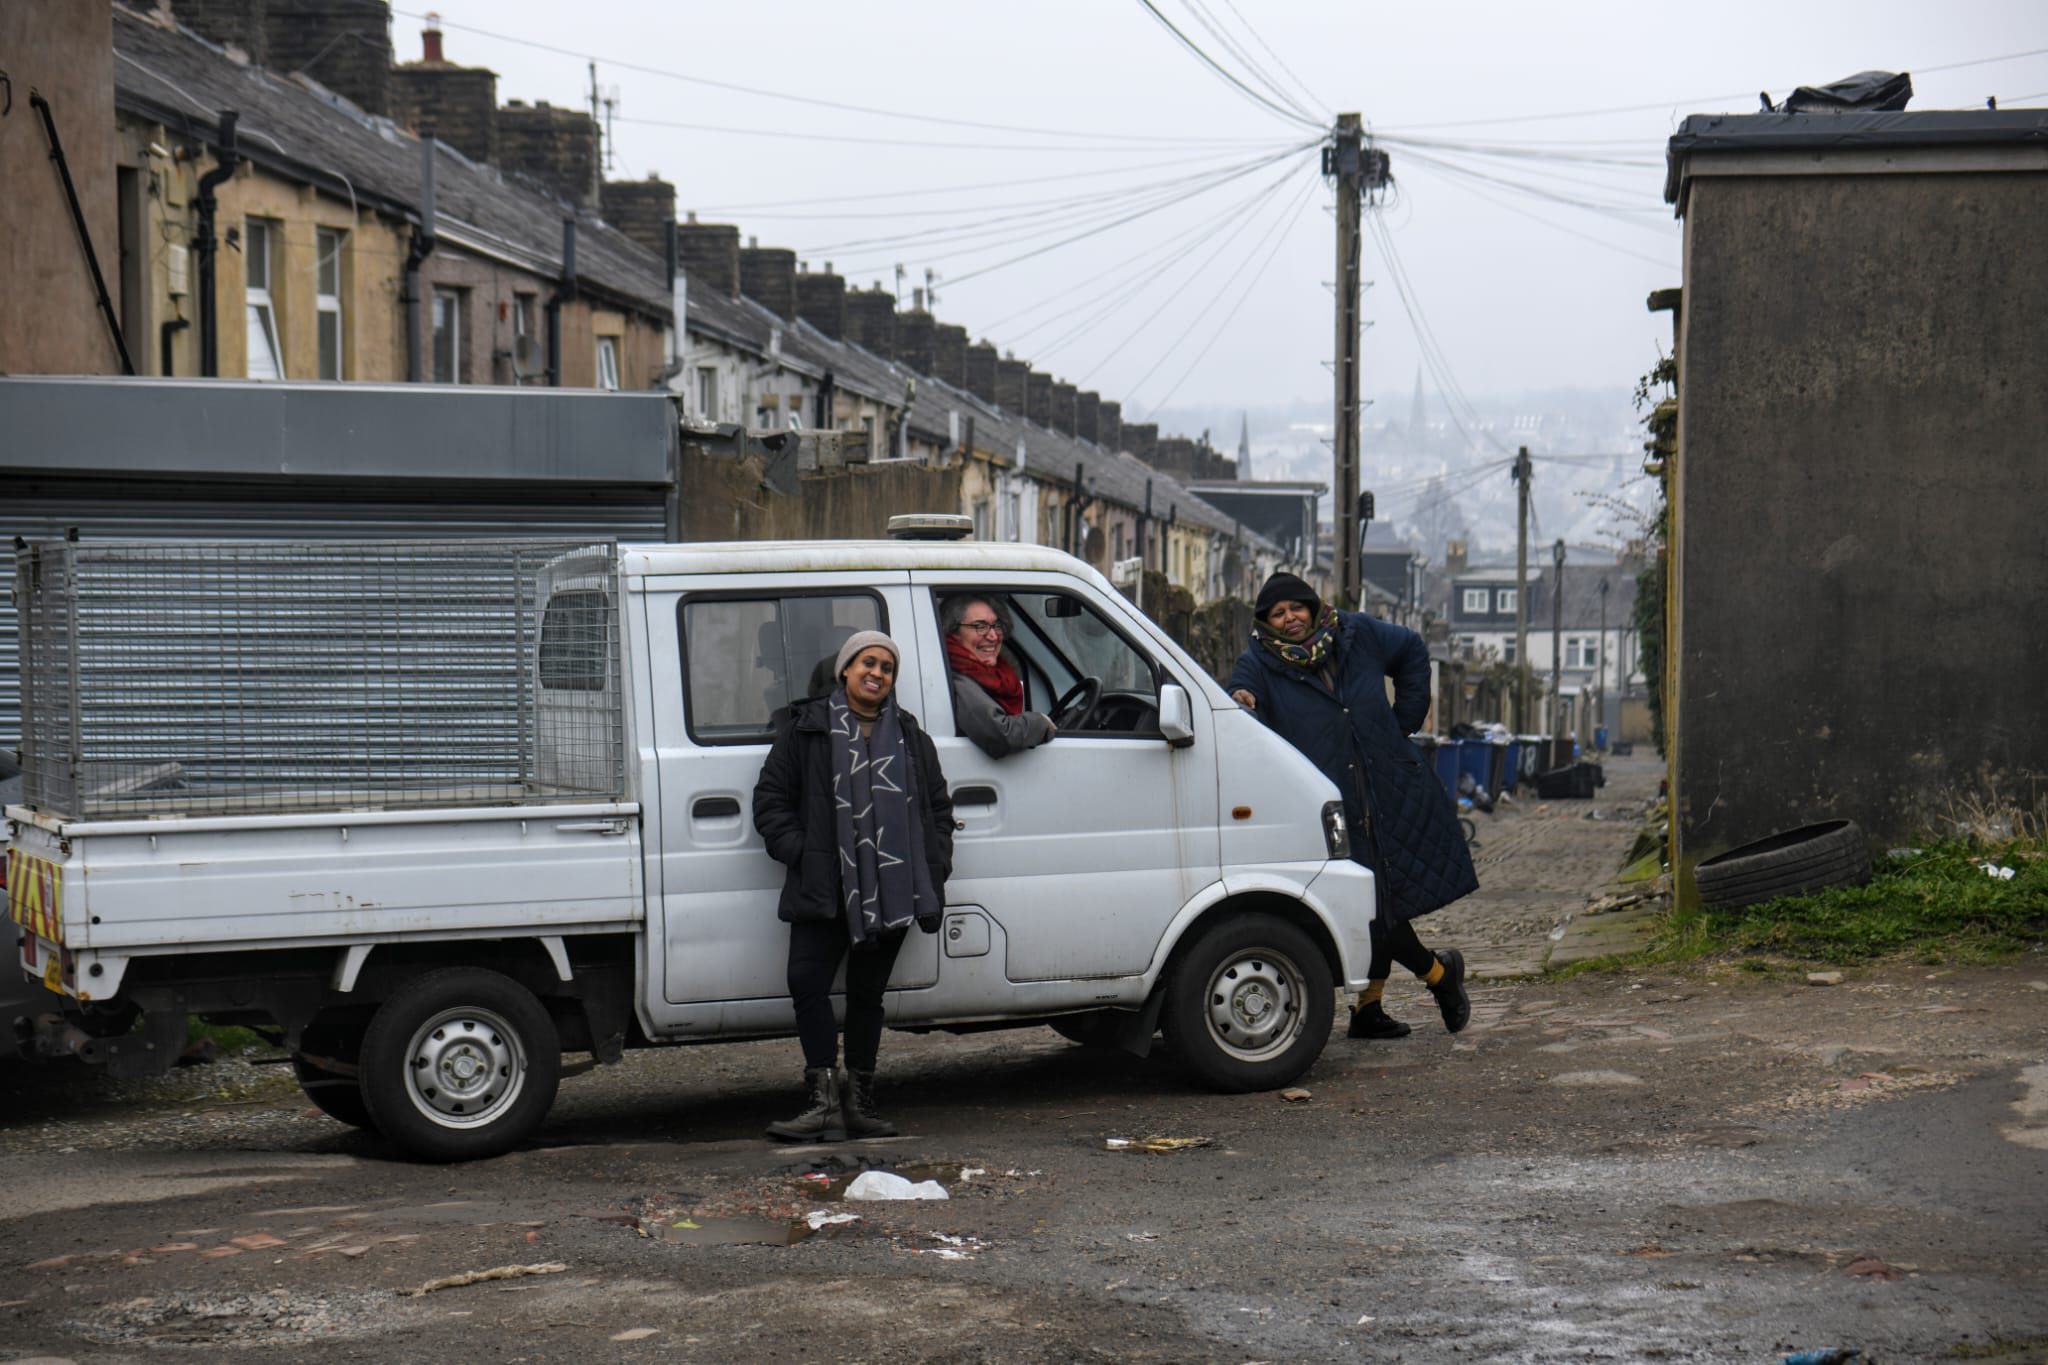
[{"x": 1793, "y": 863}]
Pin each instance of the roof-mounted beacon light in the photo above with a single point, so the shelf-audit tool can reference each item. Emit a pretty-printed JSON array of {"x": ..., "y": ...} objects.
[{"x": 930, "y": 526}]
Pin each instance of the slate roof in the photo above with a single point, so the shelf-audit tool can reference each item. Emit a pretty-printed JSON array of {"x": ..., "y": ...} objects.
[
  {"x": 300, "y": 129},
  {"x": 1582, "y": 597}
]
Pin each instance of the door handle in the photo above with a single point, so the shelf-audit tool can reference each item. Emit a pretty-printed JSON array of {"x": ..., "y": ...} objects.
[
  {"x": 594, "y": 827},
  {"x": 974, "y": 796},
  {"x": 715, "y": 808}
]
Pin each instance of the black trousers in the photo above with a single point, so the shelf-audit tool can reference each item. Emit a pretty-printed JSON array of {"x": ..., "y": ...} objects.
[
  {"x": 816, "y": 948},
  {"x": 1396, "y": 941}
]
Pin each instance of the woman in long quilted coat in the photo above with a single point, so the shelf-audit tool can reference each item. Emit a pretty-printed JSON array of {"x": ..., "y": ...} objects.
[{"x": 1317, "y": 675}]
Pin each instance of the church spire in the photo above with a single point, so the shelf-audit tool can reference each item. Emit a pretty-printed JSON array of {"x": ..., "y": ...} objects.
[
  {"x": 1418, "y": 416},
  {"x": 1244, "y": 447}
]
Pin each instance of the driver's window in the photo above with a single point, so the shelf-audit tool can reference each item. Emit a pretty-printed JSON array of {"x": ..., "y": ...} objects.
[{"x": 1066, "y": 640}]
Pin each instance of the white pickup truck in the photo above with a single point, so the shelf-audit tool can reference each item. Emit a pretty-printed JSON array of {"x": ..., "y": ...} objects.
[{"x": 434, "y": 842}]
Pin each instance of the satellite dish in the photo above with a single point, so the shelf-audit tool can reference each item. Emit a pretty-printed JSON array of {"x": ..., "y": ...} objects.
[{"x": 528, "y": 359}]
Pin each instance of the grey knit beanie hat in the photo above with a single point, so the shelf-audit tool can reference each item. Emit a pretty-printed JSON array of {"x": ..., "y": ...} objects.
[{"x": 862, "y": 640}]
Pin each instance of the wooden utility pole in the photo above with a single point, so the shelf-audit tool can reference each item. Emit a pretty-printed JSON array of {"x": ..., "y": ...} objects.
[
  {"x": 1556, "y": 645},
  {"x": 1522, "y": 591},
  {"x": 1344, "y": 162}
]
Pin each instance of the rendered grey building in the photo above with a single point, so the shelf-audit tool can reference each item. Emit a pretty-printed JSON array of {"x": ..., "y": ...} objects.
[{"x": 1861, "y": 482}]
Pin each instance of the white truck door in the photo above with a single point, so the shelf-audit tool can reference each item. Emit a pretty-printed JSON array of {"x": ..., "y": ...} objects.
[
  {"x": 1082, "y": 849},
  {"x": 727, "y": 655}
]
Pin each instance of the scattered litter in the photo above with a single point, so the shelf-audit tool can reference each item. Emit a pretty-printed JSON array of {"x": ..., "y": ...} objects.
[
  {"x": 1870, "y": 1267},
  {"x": 2004, "y": 874},
  {"x": 1876, "y": 1076},
  {"x": 969, "y": 1172},
  {"x": 502, "y": 1272},
  {"x": 889, "y": 1185},
  {"x": 1823, "y": 978},
  {"x": 635, "y": 1333},
  {"x": 1363, "y": 1320},
  {"x": 818, "y": 1218},
  {"x": 817, "y": 1178},
  {"x": 1141, "y": 1236},
  {"x": 1294, "y": 1094},
  {"x": 1607, "y": 905},
  {"x": 1158, "y": 1144},
  {"x": 951, "y": 1248},
  {"x": 1826, "y": 1355}
]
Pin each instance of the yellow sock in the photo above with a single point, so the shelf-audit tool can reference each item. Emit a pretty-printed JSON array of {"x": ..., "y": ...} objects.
[
  {"x": 1434, "y": 975},
  {"x": 1372, "y": 993}
]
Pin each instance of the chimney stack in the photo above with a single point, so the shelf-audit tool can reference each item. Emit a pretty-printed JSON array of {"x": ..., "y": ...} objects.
[
  {"x": 343, "y": 44},
  {"x": 1141, "y": 439},
  {"x": 1038, "y": 398},
  {"x": 871, "y": 320},
  {"x": 1012, "y": 378},
  {"x": 1454, "y": 556},
  {"x": 914, "y": 340},
  {"x": 1065, "y": 399},
  {"x": 949, "y": 354},
  {"x": 821, "y": 301},
  {"x": 1109, "y": 425},
  {"x": 459, "y": 104},
  {"x": 557, "y": 147},
  {"x": 981, "y": 372},
  {"x": 1088, "y": 416},
  {"x": 710, "y": 254},
  {"x": 642, "y": 209},
  {"x": 768, "y": 277}
]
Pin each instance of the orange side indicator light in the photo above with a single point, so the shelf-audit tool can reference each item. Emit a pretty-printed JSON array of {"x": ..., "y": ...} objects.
[{"x": 1240, "y": 812}]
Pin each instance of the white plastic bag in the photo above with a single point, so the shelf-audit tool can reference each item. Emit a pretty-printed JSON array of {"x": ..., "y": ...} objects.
[{"x": 889, "y": 1185}]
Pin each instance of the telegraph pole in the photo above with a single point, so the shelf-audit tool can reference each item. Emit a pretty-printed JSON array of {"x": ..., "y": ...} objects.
[
  {"x": 1342, "y": 158},
  {"x": 1522, "y": 590},
  {"x": 1556, "y": 645},
  {"x": 1358, "y": 171}
]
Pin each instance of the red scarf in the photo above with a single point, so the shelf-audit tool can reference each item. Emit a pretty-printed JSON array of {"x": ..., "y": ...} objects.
[{"x": 999, "y": 679}]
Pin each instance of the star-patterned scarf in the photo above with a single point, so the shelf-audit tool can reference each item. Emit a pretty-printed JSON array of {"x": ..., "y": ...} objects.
[
  {"x": 1310, "y": 653},
  {"x": 884, "y": 881}
]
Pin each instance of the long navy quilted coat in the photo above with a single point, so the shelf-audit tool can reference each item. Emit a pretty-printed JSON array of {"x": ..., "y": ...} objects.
[{"x": 1402, "y": 823}]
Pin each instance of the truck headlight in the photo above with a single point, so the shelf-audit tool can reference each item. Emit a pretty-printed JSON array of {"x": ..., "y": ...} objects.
[{"x": 1335, "y": 833}]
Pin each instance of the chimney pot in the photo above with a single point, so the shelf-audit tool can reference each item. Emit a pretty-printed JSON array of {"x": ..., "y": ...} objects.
[
  {"x": 753, "y": 243},
  {"x": 430, "y": 40}
]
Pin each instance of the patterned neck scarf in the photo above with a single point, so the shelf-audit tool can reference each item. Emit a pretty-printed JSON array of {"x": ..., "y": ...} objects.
[
  {"x": 884, "y": 881},
  {"x": 1310, "y": 653}
]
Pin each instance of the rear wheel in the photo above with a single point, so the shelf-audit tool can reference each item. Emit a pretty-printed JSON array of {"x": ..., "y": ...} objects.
[
  {"x": 1251, "y": 1004},
  {"x": 460, "y": 1063}
]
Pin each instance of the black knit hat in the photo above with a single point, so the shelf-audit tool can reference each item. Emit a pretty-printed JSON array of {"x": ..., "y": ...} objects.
[{"x": 1285, "y": 587}]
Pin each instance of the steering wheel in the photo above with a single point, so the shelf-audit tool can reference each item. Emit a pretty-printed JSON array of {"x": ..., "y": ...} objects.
[{"x": 1077, "y": 704}]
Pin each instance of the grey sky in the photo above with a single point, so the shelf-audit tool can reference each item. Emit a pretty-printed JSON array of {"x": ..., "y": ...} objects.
[{"x": 1520, "y": 292}]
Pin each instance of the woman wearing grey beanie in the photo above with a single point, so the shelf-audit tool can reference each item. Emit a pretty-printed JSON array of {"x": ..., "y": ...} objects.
[{"x": 851, "y": 800}]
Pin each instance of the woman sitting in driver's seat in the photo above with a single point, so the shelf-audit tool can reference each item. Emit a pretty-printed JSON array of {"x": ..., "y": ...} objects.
[{"x": 988, "y": 692}]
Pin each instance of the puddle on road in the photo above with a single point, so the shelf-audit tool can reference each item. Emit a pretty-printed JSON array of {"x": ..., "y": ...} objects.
[{"x": 730, "y": 1232}]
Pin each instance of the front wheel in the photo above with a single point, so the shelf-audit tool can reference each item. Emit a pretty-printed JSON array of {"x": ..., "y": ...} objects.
[
  {"x": 1251, "y": 1004},
  {"x": 460, "y": 1063}
]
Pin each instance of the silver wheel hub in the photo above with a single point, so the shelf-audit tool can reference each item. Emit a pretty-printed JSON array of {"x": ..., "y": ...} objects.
[
  {"x": 465, "y": 1067},
  {"x": 1255, "y": 1005}
]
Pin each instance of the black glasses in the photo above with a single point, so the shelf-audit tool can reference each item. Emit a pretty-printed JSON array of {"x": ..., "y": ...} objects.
[{"x": 981, "y": 627}]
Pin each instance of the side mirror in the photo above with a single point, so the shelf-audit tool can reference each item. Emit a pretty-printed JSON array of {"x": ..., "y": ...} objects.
[{"x": 1176, "y": 716}]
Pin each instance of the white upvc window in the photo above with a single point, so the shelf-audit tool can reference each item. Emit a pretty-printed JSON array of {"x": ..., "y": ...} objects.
[
  {"x": 327, "y": 300},
  {"x": 1582, "y": 651},
  {"x": 260, "y": 237},
  {"x": 608, "y": 362},
  {"x": 1507, "y": 650},
  {"x": 1475, "y": 600},
  {"x": 707, "y": 392},
  {"x": 1504, "y": 600},
  {"x": 447, "y": 336}
]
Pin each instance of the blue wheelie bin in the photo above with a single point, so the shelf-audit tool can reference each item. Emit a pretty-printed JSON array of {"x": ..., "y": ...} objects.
[
  {"x": 1499, "y": 766},
  {"x": 1475, "y": 757},
  {"x": 1447, "y": 751}
]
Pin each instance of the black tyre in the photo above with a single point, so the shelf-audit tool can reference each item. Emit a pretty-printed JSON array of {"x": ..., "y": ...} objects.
[
  {"x": 460, "y": 1063},
  {"x": 1793, "y": 863},
  {"x": 1098, "y": 1028},
  {"x": 335, "y": 1093},
  {"x": 1250, "y": 1004}
]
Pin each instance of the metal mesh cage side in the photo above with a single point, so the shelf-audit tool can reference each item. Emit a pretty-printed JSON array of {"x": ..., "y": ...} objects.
[{"x": 580, "y": 713}]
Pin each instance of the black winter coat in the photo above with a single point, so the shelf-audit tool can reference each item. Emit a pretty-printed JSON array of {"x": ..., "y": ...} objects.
[
  {"x": 1402, "y": 823},
  {"x": 793, "y": 811}
]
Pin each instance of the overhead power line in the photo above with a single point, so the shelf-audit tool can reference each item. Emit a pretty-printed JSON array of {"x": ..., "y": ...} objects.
[
  {"x": 1298, "y": 83},
  {"x": 1192, "y": 46},
  {"x": 1244, "y": 59},
  {"x": 764, "y": 93}
]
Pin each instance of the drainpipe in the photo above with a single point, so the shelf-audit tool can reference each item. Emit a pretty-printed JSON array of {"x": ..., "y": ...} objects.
[
  {"x": 565, "y": 291},
  {"x": 417, "y": 250},
  {"x": 207, "y": 245},
  {"x": 825, "y": 393},
  {"x": 165, "y": 367}
]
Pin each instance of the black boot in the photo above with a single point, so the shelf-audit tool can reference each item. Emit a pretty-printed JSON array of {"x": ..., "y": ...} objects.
[
  {"x": 1450, "y": 991},
  {"x": 822, "y": 1121},
  {"x": 857, "y": 1102},
  {"x": 1371, "y": 1020}
]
